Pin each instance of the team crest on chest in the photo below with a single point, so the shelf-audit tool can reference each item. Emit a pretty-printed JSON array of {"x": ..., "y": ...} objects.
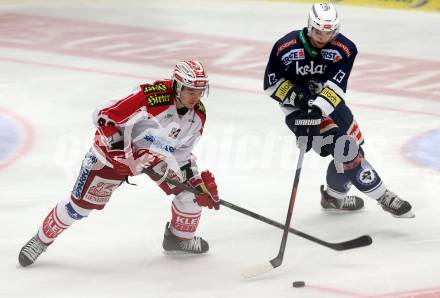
[{"x": 174, "y": 132}]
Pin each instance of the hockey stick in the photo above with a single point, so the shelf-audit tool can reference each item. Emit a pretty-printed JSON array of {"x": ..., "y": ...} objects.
[
  {"x": 258, "y": 269},
  {"x": 361, "y": 241}
]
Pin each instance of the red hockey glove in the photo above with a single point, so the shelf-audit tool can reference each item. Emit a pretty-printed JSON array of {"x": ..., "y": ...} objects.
[
  {"x": 121, "y": 164},
  {"x": 133, "y": 165},
  {"x": 111, "y": 142},
  {"x": 110, "y": 137},
  {"x": 206, "y": 183}
]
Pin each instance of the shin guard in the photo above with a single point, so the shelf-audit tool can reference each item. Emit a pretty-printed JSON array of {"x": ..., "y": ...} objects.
[{"x": 185, "y": 215}]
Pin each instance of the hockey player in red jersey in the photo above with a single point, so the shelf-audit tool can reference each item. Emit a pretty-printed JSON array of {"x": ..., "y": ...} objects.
[
  {"x": 307, "y": 74},
  {"x": 155, "y": 127}
]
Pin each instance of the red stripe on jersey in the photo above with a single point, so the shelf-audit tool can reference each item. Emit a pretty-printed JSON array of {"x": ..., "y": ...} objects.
[
  {"x": 115, "y": 105},
  {"x": 123, "y": 109},
  {"x": 359, "y": 137},
  {"x": 326, "y": 122},
  {"x": 355, "y": 132},
  {"x": 354, "y": 128}
]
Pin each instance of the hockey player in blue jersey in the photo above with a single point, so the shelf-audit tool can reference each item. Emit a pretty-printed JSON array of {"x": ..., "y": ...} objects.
[{"x": 307, "y": 75}]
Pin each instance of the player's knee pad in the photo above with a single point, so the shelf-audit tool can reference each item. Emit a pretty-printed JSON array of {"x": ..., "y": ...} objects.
[
  {"x": 353, "y": 163},
  {"x": 334, "y": 141},
  {"x": 347, "y": 152},
  {"x": 186, "y": 202},
  {"x": 349, "y": 158}
]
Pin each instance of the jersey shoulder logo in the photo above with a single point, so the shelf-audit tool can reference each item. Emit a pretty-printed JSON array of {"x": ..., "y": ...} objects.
[
  {"x": 286, "y": 45},
  {"x": 342, "y": 46},
  {"x": 155, "y": 100},
  {"x": 292, "y": 55},
  {"x": 157, "y": 87},
  {"x": 331, "y": 55},
  {"x": 157, "y": 94}
]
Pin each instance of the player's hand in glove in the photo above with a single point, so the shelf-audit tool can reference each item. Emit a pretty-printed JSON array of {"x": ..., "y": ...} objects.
[
  {"x": 305, "y": 125},
  {"x": 111, "y": 141},
  {"x": 125, "y": 161},
  {"x": 209, "y": 196},
  {"x": 302, "y": 98},
  {"x": 299, "y": 97},
  {"x": 121, "y": 164}
]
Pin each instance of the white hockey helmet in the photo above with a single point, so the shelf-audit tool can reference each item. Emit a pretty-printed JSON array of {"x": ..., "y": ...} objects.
[
  {"x": 190, "y": 74},
  {"x": 323, "y": 17}
]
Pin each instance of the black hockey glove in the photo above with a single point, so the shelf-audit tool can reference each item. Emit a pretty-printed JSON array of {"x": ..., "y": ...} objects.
[
  {"x": 300, "y": 97},
  {"x": 305, "y": 125}
]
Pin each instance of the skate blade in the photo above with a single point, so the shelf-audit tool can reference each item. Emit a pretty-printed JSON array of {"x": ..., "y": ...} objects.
[
  {"x": 409, "y": 214},
  {"x": 179, "y": 252},
  {"x": 334, "y": 210}
]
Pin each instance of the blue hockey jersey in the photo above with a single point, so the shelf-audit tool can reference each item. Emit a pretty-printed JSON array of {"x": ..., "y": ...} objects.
[{"x": 324, "y": 72}]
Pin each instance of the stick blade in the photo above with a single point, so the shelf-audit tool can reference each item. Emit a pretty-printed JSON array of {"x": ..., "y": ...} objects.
[
  {"x": 361, "y": 241},
  {"x": 256, "y": 270}
]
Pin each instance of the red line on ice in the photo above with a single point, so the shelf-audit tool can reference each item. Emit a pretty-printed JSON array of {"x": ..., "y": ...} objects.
[
  {"x": 380, "y": 74},
  {"x": 418, "y": 293}
]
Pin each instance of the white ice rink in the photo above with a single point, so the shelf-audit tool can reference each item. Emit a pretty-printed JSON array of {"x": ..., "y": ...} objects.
[{"x": 60, "y": 59}]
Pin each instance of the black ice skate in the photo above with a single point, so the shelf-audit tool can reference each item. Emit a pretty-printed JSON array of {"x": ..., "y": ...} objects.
[
  {"x": 174, "y": 245},
  {"x": 391, "y": 203},
  {"x": 348, "y": 203},
  {"x": 31, "y": 251}
]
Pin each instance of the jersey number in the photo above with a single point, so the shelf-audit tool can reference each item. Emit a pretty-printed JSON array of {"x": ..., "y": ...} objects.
[{"x": 339, "y": 76}]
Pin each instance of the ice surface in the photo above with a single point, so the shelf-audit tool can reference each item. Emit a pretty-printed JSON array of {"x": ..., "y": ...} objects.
[{"x": 60, "y": 59}]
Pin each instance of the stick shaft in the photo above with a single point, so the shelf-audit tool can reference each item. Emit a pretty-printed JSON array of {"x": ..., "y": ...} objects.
[
  {"x": 279, "y": 258},
  {"x": 354, "y": 243}
]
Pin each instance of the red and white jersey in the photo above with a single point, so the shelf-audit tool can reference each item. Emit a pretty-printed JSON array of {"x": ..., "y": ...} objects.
[{"x": 148, "y": 120}]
